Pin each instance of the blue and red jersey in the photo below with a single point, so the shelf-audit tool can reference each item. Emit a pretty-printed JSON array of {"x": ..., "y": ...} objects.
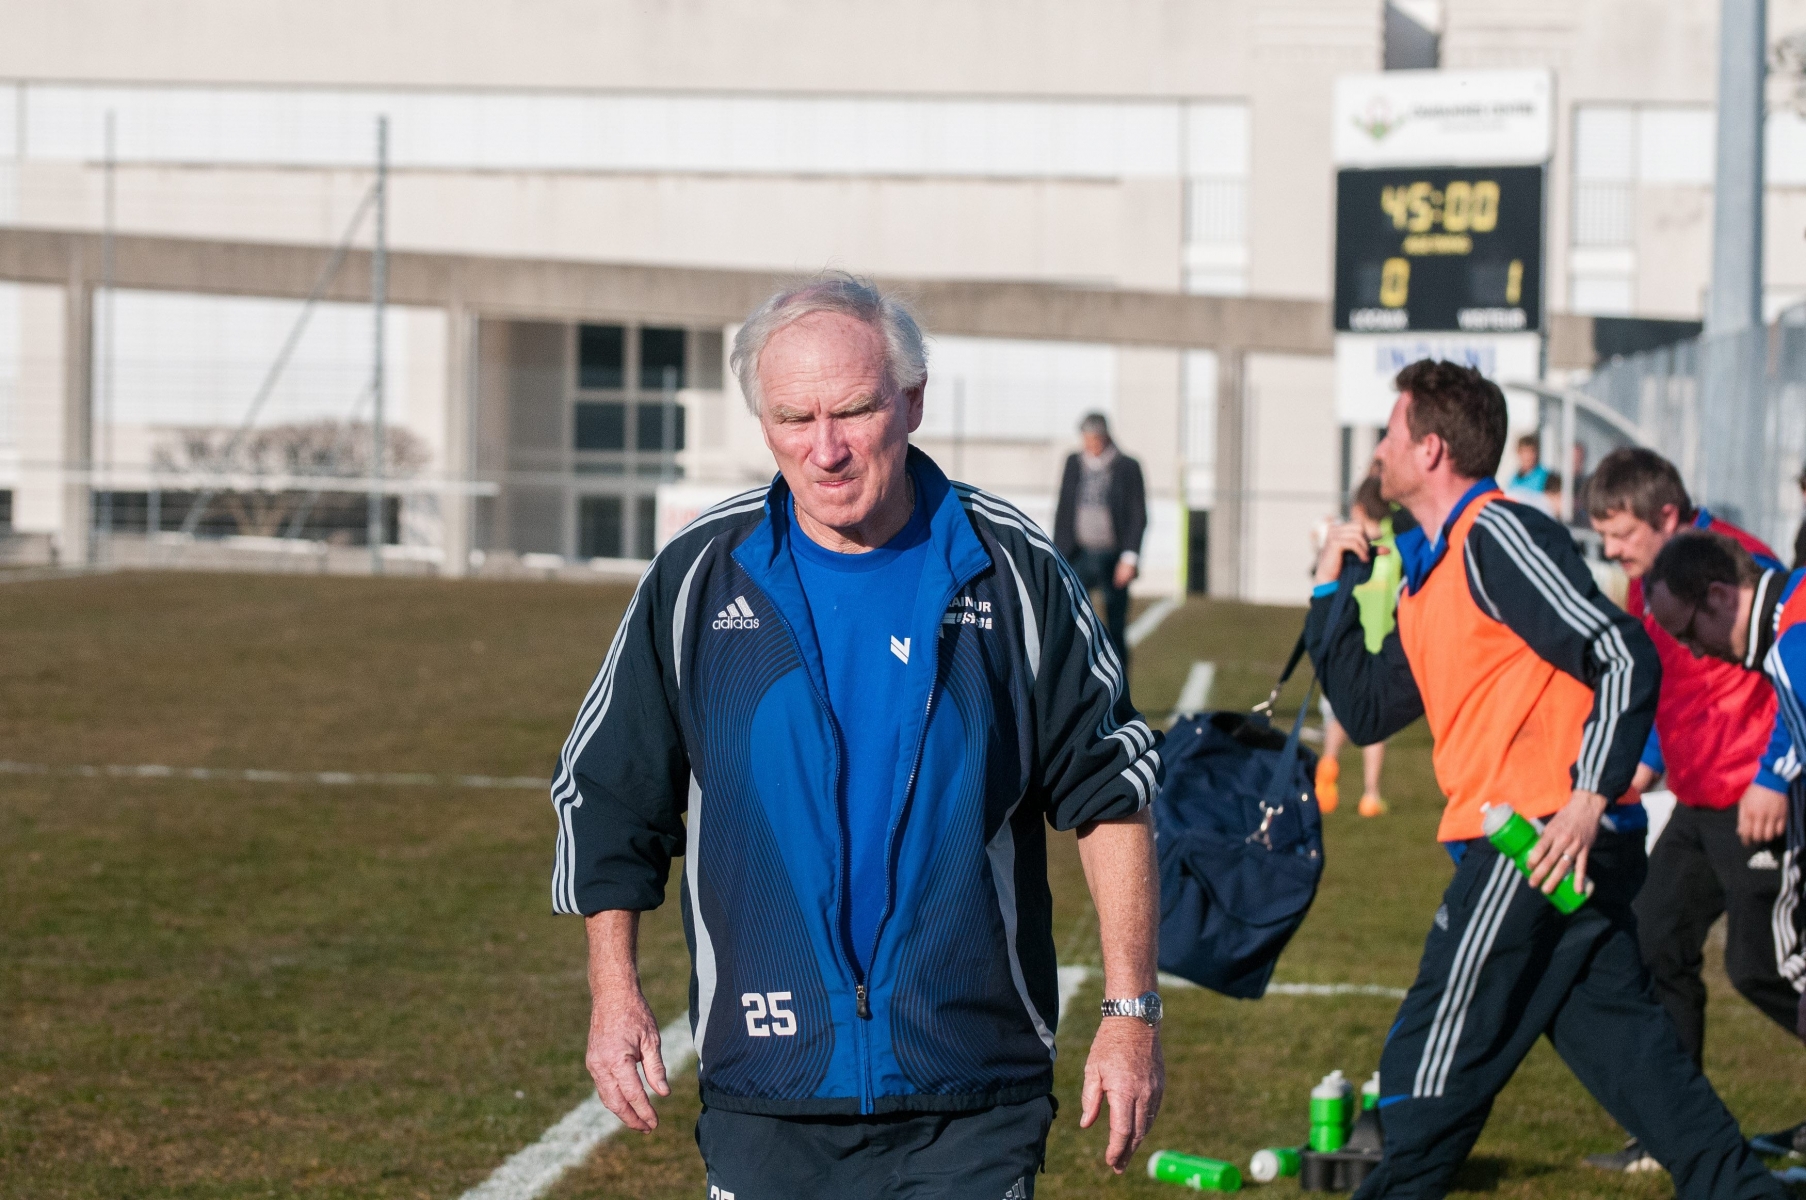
[{"x": 1783, "y": 617}]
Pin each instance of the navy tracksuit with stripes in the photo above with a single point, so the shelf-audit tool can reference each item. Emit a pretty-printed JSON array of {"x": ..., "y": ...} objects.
[{"x": 1501, "y": 965}]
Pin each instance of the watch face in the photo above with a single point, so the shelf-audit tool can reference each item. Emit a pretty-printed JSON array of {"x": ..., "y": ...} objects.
[{"x": 1151, "y": 1008}]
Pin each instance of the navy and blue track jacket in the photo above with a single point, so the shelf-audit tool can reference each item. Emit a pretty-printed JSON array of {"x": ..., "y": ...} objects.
[{"x": 712, "y": 702}]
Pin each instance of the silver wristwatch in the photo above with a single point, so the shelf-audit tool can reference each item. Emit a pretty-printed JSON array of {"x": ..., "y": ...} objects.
[{"x": 1144, "y": 1008}]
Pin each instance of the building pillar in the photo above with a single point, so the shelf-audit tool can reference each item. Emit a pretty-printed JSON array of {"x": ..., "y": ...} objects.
[
  {"x": 74, "y": 543},
  {"x": 1734, "y": 301},
  {"x": 456, "y": 504},
  {"x": 1228, "y": 518}
]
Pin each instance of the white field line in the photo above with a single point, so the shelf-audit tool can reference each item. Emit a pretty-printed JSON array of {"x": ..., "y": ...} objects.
[
  {"x": 1301, "y": 989},
  {"x": 531, "y": 1172},
  {"x": 36, "y": 574},
  {"x": 1071, "y": 980},
  {"x": 333, "y": 778},
  {"x": 1149, "y": 621},
  {"x": 1335, "y": 989},
  {"x": 1194, "y": 697}
]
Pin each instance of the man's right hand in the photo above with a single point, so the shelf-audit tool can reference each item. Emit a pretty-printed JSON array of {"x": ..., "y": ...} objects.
[
  {"x": 1347, "y": 538},
  {"x": 1761, "y": 815},
  {"x": 623, "y": 1037}
]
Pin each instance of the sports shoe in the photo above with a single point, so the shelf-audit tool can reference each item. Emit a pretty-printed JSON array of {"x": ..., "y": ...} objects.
[
  {"x": 1328, "y": 793},
  {"x": 1372, "y": 806},
  {"x": 1788, "y": 1142},
  {"x": 1632, "y": 1160}
]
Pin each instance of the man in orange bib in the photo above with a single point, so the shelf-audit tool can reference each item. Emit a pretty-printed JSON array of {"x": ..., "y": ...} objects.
[{"x": 1540, "y": 695}]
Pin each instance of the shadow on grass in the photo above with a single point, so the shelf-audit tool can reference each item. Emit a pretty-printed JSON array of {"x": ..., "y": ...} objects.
[{"x": 1485, "y": 1172}]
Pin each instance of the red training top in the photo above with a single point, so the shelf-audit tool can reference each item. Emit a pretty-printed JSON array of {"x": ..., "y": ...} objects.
[{"x": 1713, "y": 717}]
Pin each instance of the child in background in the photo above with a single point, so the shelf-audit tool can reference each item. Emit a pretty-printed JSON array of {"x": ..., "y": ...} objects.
[
  {"x": 1531, "y": 472},
  {"x": 1552, "y": 495},
  {"x": 1377, "y": 600}
]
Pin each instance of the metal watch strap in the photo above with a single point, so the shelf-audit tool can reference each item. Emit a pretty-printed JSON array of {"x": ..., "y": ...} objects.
[{"x": 1145, "y": 1007}]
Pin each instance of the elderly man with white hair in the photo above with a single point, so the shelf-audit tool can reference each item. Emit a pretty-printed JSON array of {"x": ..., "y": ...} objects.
[{"x": 870, "y": 689}]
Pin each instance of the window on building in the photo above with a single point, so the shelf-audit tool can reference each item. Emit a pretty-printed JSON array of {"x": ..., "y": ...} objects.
[
  {"x": 601, "y": 425},
  {"x": 599, "y": 527},
  {"x": 1413, "y": 35},
  {"x": 661, "y": 358},
  {"x": 706, "y": 359},
  {"x": 651, "y": 434},
  {"x": 1197, "y": 551},
  {"x": 601, "y": 357},
  {"x": 1214, "y": 258},
  {"x": 645, "y": 526}
]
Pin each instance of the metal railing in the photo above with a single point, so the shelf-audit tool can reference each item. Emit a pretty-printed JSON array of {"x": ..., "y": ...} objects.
[{"x": 1729, "y": 410}]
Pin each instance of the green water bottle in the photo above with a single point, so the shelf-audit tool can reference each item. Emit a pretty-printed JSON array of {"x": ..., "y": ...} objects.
[
  {"x": 1273, "y": 1163},
  {"x": 1514, "y": 837},
  {"x": 1198, "y": 1174},
  {"x": 1370, "y": 1093},
  {"x": 1332, "y": 1111}
]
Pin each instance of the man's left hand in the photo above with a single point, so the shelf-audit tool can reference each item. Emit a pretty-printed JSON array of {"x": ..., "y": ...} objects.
[
  {"x": 1761, "y": 815},
  {"x": 1126, "y": 571},
  {"x": 1566, "y": 841},
  {"x": 1126, "y": 1067}
]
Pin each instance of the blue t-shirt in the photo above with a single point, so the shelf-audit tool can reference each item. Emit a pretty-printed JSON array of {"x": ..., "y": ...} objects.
[{"x": 861, "y": 605}]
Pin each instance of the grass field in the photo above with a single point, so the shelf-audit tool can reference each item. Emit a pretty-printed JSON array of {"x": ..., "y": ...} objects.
[{"x": 233, "y": 989}]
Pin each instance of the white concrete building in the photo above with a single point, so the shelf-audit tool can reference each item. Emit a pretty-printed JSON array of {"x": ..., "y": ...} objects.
[{"x": 1146, "y": 146}]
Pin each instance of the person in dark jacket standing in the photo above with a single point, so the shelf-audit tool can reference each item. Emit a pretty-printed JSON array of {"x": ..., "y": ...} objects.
[
  {"x": 853, "y": 700},
  {"x": 1100, "y": 520}
]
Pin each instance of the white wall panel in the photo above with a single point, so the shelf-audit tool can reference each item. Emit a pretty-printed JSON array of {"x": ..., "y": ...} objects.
[
  {"x": 1032, "y": 138},
  {"x": 199, "y": 360},
  {"x": 1015, "y": 390},
  {"x": 1674, "y": 145},
  {"x": 1605, "y": 144},
  {"x": 9, "y": 366},
  {"x": 1784, "y": 163},
  {"x": 1216, "y": 141},
  {"x": 9, "y": 120}
]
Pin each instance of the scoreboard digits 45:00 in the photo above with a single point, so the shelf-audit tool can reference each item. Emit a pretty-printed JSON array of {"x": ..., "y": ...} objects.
[{"x": 1439, "y": 249}]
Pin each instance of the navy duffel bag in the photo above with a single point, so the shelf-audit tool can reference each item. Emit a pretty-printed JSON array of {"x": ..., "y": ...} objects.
[{"x": 1240, "y": 841}]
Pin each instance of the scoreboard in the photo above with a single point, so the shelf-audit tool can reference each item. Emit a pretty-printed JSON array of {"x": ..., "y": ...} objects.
[{"x": 1439, "y": 249}]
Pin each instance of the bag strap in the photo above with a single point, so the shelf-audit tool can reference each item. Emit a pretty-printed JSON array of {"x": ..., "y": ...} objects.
[
  {"x": 1274, "y": 801},
  {"x": 1344, "y": 586}
]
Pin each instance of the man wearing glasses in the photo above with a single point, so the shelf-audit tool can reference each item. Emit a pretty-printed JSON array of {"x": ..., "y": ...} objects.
[{"x": 1715, "y": 599}]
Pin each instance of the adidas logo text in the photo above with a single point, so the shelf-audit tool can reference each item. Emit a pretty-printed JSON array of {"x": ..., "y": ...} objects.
[{"x": 738, "y": 615}]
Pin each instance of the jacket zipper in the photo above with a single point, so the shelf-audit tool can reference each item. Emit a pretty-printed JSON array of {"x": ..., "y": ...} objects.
[
  {"x": 909, "y": 791},
  {"x": 909, "y": 788},
  {"x": 861, "y": 992},
  {"x": 861, "y": 985}
]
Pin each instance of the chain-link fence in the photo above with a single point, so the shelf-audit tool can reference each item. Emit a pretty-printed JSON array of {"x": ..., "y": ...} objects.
[{"x": 1730, "y": 411}]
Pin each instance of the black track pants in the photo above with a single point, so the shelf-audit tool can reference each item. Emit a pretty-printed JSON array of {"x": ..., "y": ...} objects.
[
  {"x": 993, "y": 1154},
  {"x": 1501, "y": 968},
  {"x": 1698, "y": 870},
  {"x": 1097, "y": 571}
]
